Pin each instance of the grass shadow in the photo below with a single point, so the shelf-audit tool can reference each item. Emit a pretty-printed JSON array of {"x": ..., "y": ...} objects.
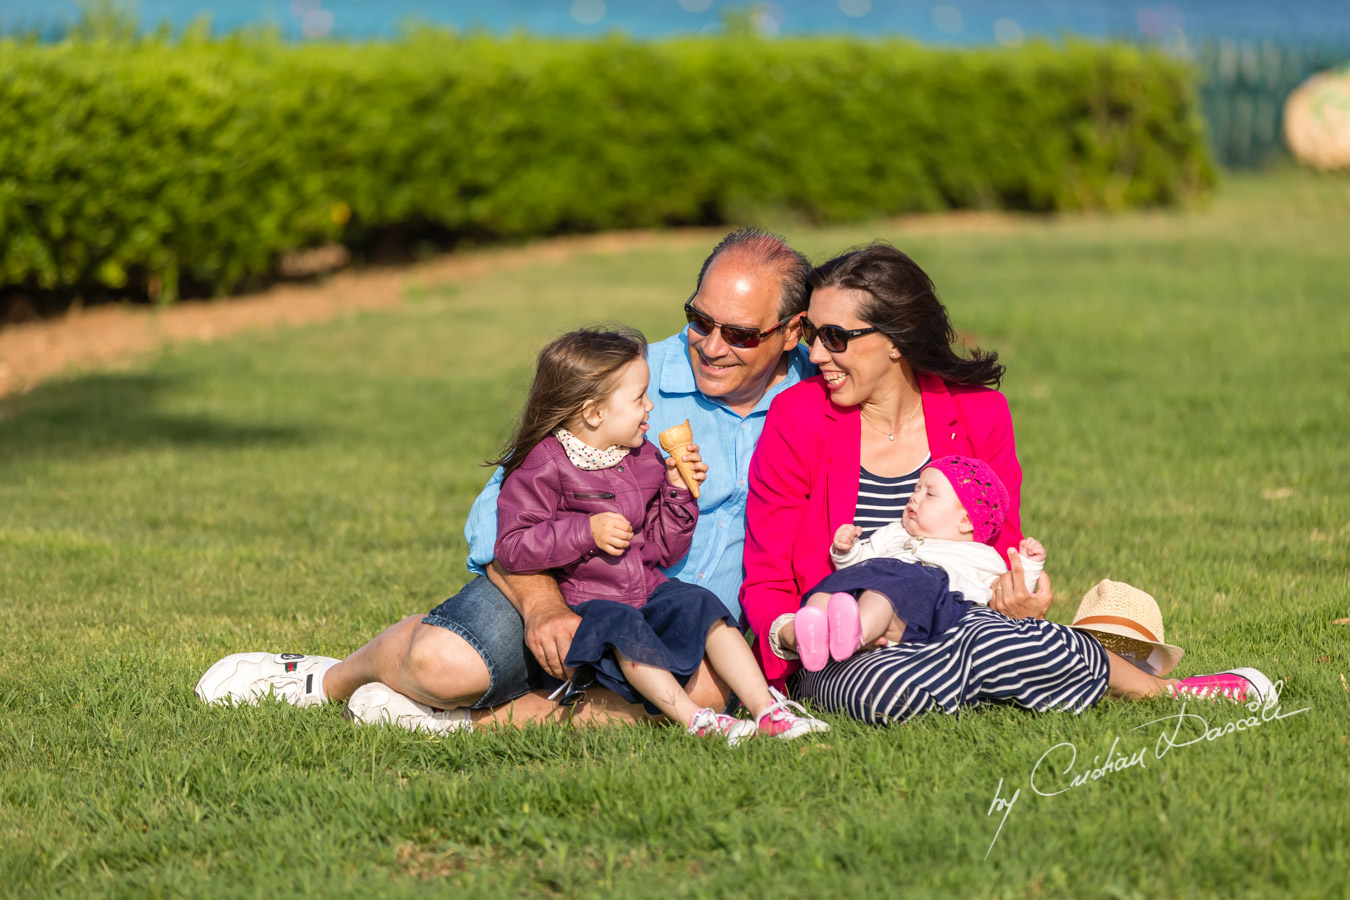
[{"x": 120, "y": 413}]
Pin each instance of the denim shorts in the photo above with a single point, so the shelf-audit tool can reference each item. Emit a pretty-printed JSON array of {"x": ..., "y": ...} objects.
[{"x": 483, "y": 616}]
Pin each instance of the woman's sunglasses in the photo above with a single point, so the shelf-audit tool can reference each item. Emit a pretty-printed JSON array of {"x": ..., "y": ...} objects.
[
  {"x": 573, "y": 690},
  {"x": 739, "y": 336},
  {"x": 832, "y": 337}
]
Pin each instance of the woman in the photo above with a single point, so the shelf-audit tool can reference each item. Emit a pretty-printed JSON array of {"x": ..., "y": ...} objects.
[{"x": 847, "y": 446}]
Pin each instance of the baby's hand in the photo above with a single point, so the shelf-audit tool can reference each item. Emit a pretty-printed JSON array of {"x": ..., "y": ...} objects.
[
  {"x": 1032, "y": 549},
  {"x": 694, "y": 464},
  {"x": 611, "y": 532},
  {"x": 846, "y": 537}
]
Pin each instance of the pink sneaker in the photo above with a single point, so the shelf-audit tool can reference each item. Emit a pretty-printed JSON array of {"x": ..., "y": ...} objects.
[
  {"x": 813, "y": 637},
  {"x": 845, "y": 626},
  {"x": 781, "y": 721},
  {"x": 706, "y": 723},
  {"x": 1239, "y": 685}
]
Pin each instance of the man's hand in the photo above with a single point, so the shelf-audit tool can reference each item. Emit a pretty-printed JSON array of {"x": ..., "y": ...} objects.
[
  {"x": 1011, "y": 596},
  {"x": 611, "y": 532},
  {"x": 549, "y": 621},
  {"x": 846, "y": 537},
  {"x": 548, "y": 635}
]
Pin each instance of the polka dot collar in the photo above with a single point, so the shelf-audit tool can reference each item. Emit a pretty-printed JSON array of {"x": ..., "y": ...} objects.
[{"x": 587, "y": 458}]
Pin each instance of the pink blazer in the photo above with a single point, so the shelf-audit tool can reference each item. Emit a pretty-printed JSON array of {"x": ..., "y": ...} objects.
[{"x": 804, "y": 485}]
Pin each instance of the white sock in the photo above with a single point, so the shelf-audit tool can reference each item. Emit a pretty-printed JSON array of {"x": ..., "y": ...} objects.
[{"x": 314, "y": 678}]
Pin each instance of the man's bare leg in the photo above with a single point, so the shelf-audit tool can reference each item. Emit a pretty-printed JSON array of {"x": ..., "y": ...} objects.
[
  {"x": 549, "y": 626},
  {"x": 437, "y": 667},
  {"x": 600, "y": 707},
  {"x": 430, "y": 664}
]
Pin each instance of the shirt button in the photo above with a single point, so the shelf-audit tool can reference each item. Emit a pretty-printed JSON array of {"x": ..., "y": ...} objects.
[
  {"x": 721, "y": 524},
  {"x": 740, "y": 481},
  {"x": 701, "y": 576},
  {"x": 620, "y": 468}
]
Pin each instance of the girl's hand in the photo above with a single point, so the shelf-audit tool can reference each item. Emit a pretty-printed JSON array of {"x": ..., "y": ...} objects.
[
  {"x": 694, "y": 463},
  {"x": 611, "y": 532},
  {"x": 1032, "y": 549},
  {"x": 846, "y": 537}
]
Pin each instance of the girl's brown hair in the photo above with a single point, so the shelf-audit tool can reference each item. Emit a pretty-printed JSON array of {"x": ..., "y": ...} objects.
[{"x": 578, "y": 368}]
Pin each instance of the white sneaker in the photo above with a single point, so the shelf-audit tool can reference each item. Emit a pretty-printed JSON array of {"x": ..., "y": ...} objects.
[
  {"x": 248, "y": 677},
  {"x": 379, "y": 704}
]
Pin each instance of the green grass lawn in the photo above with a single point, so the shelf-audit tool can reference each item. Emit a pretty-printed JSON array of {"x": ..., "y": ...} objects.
[{"x": 1181, "y": 388}]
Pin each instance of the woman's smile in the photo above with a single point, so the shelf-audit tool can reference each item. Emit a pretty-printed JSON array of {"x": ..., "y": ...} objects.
[{"x": 833, "y": 379}]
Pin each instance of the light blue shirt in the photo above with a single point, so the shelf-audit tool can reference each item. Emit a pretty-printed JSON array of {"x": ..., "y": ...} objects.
[{"x": 726, "y": 440}]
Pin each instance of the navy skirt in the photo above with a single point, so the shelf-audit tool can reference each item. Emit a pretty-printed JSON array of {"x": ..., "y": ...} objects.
[
  {"x": 670, "y": 632},
  {"x": 919, "y": 594}
]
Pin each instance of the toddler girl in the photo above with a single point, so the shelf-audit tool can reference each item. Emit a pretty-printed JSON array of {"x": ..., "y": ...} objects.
[
  {"x": 914, "y": 578},
  {"x": 589, "y": 499}
]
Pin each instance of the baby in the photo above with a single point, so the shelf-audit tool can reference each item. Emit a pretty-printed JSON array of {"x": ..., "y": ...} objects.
[{"x": 917, "y": 577}]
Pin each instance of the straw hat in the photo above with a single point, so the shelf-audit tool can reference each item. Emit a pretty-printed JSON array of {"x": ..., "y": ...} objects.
[{"x": 1128, "y": 623}]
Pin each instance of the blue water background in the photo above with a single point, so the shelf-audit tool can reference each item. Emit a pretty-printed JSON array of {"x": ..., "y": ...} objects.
[{"x": 931, "y": 21}]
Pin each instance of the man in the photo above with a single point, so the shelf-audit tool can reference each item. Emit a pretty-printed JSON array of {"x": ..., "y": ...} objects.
[{"x": 482, "y": 656}]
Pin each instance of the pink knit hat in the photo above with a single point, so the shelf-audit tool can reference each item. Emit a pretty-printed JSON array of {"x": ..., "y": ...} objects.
[{"x": 980, "y": 491}]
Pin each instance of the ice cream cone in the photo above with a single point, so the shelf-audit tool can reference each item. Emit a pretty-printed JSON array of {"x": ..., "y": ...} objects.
[{"x": 673, "y": 441}]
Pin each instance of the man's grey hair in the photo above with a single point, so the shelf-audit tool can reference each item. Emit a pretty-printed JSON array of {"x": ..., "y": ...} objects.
[{"x": 771, "y": 251}]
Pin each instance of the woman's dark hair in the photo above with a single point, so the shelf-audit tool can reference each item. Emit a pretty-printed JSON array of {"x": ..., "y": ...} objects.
[
  {"x": 903, "y": 305},
  {"x": 578, "y": 368}
]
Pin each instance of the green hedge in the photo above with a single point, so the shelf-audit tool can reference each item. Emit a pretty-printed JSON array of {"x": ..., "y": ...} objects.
[{"x": 154, "y": 167}]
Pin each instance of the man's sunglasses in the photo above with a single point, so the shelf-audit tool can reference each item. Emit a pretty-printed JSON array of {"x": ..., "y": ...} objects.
[
  {"x": 739, "y": 336},
  {"x": 832, "y": 337}
]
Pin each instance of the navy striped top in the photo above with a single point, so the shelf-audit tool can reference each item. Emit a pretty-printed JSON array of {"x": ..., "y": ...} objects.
[{"x": 881, "y": 501}]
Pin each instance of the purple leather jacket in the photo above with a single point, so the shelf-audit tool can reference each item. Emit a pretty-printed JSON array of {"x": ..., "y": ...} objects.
[{"x": 544, "y": 522}]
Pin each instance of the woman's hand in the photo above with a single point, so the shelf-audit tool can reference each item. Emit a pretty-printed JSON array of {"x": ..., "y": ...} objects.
[{"x": 1011, "y": 596}]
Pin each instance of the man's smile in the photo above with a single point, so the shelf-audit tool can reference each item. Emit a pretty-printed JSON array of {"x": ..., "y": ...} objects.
[{"x": 716, "y": 367}]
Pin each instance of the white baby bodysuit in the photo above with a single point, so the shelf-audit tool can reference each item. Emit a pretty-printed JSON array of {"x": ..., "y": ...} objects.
[{"x": 971, "y": 568}]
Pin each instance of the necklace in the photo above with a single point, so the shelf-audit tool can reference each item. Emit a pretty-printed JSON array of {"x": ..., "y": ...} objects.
[{"x": 890, "y": 435}]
